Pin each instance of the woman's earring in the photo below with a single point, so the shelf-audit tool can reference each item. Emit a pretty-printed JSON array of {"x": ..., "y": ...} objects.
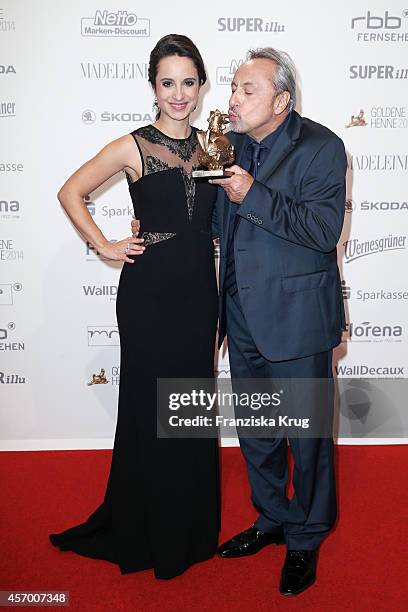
[{"x": 155, "y": 106}]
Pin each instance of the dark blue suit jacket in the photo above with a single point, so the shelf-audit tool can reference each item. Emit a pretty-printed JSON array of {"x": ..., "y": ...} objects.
[{"x": 285, "y": 243}]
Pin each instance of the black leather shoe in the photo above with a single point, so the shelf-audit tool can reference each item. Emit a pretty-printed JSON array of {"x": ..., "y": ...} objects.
[
  {"x": 249, "y": 542},
  {"x": 298, "y": 572}
]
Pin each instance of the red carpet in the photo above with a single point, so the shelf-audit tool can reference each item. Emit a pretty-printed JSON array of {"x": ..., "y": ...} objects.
[{"x": 363, "y": 564}]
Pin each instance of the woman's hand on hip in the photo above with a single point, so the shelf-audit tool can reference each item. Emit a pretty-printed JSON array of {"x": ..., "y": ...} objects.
[{"x": 122, "y": 249}]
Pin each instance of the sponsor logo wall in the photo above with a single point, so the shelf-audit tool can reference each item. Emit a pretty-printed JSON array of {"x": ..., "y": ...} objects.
[{"x": 85, "y": 84}]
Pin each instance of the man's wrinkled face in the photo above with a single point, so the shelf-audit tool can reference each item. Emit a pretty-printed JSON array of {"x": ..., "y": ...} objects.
[{"x": 254, "y": 106}]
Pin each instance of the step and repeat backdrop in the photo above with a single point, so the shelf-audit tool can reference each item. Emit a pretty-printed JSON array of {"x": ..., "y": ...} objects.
[{"x": 73, "y": 76}]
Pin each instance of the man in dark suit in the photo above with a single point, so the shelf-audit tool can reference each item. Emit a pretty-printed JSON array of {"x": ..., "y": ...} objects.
[{"x": 279, "y": 218}]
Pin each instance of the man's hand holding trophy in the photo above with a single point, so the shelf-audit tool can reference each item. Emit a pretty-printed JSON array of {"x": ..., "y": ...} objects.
[{"x": 215, "y": 150}]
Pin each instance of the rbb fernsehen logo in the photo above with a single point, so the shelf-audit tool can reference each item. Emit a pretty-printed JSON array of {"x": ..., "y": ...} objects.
[
  {"x": 380, "y": 26},
  {"x": 225, "y": 74},
  {"x": 108, "y": 24}
]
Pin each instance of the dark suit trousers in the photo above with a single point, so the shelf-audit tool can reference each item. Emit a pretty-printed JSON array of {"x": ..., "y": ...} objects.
[{"x": 310, "y": 514}]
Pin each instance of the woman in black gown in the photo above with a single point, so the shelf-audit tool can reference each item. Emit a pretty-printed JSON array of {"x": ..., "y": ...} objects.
[{"x": 161, "y": 507}]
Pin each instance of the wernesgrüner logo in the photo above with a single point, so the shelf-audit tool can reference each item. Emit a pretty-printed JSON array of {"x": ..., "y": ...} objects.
[
  {"x": 356, "y": 249},
  {"x": 109, "y": 24}
]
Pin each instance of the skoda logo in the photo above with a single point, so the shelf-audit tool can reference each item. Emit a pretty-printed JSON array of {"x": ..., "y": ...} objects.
[{"x": 88, "y": 117}]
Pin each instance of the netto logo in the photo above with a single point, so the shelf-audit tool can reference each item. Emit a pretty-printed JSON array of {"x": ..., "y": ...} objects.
[
  {"x": 249, "y": 24},
  {"x": 106, "y": 335},
  {"x": 346, "y": 290},
  {"x": 377, "y": 71},
  {"x": 88, "y": 117},
  {"x": 369, "y": 332},
  {"x": 4, "y": 69},
  {"x": 355, "y": 249},
  {"x": 7, "y": 293},
  {"x": 113, "y": 25},
  {"x": 225, "y": 74}
]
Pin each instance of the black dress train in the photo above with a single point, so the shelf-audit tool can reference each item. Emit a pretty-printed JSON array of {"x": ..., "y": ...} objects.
[{"x": 161, "y": 508}]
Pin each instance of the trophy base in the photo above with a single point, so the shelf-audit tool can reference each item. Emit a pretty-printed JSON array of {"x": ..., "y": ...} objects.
[{"x": 219, "y": 173}]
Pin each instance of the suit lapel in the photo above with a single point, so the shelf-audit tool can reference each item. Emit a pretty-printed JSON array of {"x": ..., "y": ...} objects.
[
  {"x": 284, "y": 144},
  {"x": 238, "y": 142}
]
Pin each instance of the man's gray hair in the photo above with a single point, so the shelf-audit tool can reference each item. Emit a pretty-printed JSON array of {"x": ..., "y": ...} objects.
[{"x": 285, "y": 75}]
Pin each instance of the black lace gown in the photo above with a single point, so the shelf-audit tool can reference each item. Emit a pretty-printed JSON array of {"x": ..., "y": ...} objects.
[{"x": 161, "y": 507}]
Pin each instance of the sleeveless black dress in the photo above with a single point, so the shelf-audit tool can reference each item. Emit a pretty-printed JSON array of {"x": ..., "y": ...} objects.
[{"x": 161, "y": 508}]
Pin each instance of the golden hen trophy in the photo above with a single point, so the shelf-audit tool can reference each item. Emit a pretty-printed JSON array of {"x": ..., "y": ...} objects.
[{"x": 215, "y": 150}]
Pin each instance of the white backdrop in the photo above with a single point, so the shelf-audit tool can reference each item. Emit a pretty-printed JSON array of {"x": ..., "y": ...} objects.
[{"x": 67, "y": 88}]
